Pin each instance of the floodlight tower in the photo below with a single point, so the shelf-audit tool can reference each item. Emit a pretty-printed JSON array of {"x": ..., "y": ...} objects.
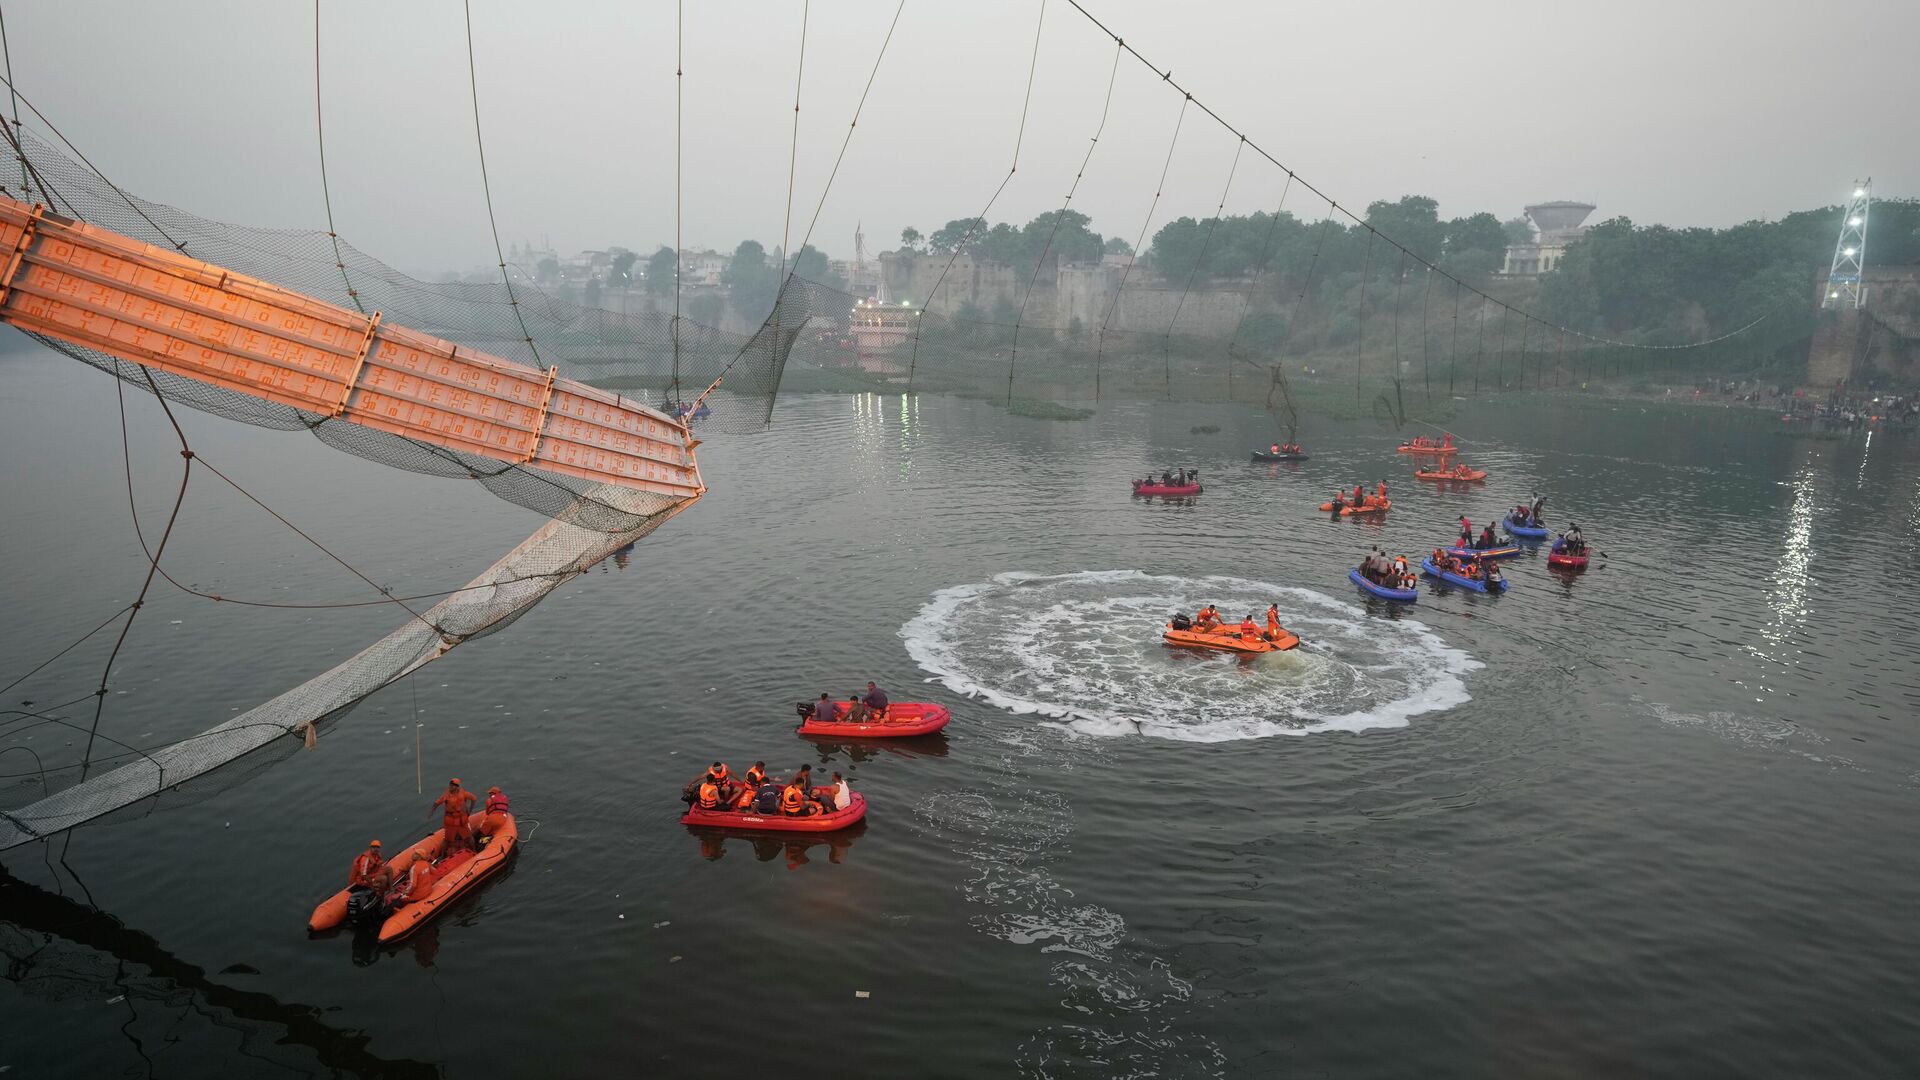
[{"x": 1844, "y": 289}]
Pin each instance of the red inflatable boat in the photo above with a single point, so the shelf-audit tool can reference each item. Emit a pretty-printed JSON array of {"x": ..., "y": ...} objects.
[
  {"x": 904, "y": 718},
  {"x": 737, "y": 819},
  {"x": 1567, "y": 562},
  {"x": 1173, "y": 490}
]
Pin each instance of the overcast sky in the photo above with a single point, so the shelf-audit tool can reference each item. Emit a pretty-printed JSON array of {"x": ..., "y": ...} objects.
[{"x": 1688, "y": 112}]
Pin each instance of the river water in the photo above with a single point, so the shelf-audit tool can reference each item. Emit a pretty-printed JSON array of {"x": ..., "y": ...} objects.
[{"x": 1654, "y": 819}]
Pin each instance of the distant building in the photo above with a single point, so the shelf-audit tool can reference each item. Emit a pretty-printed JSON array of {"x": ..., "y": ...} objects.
[
  {"x": 1555, "y": 225},
  {"x": 877, "y": 325}
]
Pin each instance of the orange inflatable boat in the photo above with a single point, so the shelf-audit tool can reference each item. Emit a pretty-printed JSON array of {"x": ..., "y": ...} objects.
[
  {"x": 1371, "y": 507},
  {"x": 453, "y": 877},
  {"x": 1435, "y": 451},
  {"x": 746, "y": 819},
  {"x": 904, "y": 718},
  {"x": 1462, "y": 474},
  {"x": 1229, "y": 640}
]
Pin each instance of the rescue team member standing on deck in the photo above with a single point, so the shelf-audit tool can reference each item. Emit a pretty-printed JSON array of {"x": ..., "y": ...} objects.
[{"x": 457, "y": 801}]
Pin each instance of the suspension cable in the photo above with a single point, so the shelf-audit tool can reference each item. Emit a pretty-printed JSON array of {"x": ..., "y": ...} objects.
[
  {"x": 679, "y": 75},
  {"x": 1100, "y": 348},
  {"x": 1166, "y": 341},
  {"x": 320, "y": 134},
  {"x": 486, "y": 188}
]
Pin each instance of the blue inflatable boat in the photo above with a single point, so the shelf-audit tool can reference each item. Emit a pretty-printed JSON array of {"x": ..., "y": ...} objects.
[
  {"x": 1451, "y": 578},
  {"x": 1525, "y": 531},
  {"x": 1381, "y": 591}
]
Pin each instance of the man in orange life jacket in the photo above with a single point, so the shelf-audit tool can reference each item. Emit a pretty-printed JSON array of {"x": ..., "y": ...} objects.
[
  {"x": 1273, "y": 622},
  {"x": 1359, "y": 495},
  {"x": 415, "y": 884},
  {"x": 369, "y": 870},
  {"x": 1248, "y": 630},
  {"x": 456, "y": 801},
  {"x": 794, "y": 800},
  {"x": 496, "y": 815}
]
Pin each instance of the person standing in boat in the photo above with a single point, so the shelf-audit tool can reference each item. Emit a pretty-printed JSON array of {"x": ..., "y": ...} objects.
[
  {"x": 1381, "y": 491},
  {"x": 1533, "y": 513},
  {"x": 455, "y": 802},
  {"x": 1466, "y": 532},
  {"x": 1273, "y": 622},
  {"x": 1576, "y": 542},
  {"x": 1487, "y": 538},
  {"x": 1338, "y": 504}
]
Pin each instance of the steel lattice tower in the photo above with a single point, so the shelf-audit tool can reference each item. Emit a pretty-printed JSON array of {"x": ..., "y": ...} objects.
[{"x": 1844, "y": 288}]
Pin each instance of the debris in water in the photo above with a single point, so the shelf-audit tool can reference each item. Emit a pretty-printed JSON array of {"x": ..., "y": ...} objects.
[{"x": 861, "y": 994}]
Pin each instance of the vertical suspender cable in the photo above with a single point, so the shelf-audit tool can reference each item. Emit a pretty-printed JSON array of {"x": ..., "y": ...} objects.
[
  {"x": 326, "y": 196},
  {"x": 679, "y": 71},
  {"x": 486, "y": 188},
  {"x": 1099, "y": 352},
  {"x": 6, "y": 52}
]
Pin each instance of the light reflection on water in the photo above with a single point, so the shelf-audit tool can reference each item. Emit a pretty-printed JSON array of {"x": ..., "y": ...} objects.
[{"x": 1787, "y": 593}]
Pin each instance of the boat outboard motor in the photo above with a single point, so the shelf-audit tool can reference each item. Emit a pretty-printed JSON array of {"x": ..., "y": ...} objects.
[
  {"x": 805, "y": 710},
  {"x": 364, "y": 906},
  {"x": 1181, "y": 622}
]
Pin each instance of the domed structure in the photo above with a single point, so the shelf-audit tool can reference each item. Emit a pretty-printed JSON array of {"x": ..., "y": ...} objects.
[{"x": 1555, "y": 225}]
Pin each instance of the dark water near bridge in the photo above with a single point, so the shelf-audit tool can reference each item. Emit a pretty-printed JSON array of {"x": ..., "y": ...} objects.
[{"x": 1656, "y": 819}]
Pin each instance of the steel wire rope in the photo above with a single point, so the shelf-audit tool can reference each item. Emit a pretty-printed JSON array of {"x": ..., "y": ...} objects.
[
  {"x": 486, "y": 187},
  {"x": 81, "y": 640},
  {"x": 1167, "y": 77},
  {"x": 1106, "y": 107},
  {"x": 6, "y": 51},
  {"x": 153, "y": 563},
  {"x": 1399, "y": 283},
  {"x": 1299, "y": 297},
  {"x": 1246, "y": 297},
  {"x": 1173, "y": 144},
  {"x": 1019, "y": 139},
  {"x": 1426, "y": 338},
  {"x": 679, "y": 77},
  {"x": 1166, "y": 342},
  {"x": 858, "y": 108},
  {"x": 72, "y": 210},
  {"x": 1360, "y": 322},
  {"x": 326, "y": 196},
  {"x": 1453, "y": 349}
]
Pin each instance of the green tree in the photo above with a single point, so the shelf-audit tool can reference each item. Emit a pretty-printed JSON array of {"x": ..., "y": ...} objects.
[
  {"x": 621, "y": 270},
  {"x": 751, "y": 279},
  {"x": 910, "y": 239},
  {"x": 1116, "y": 246},
  {"x": 815, "y": 266},
  {"x": 954, "y": 234},
  {"x": 590, "y": 294},
  {"x": 1476, "y": 244},
  {"x": 547, "y": 271},
  {"x": 1518, "y": 230},
  {"x": 661, "y": 271}
]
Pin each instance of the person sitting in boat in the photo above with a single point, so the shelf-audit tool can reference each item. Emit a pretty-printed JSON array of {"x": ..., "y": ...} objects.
[
  {"x": 1207, "y": 620},
  {"x": 857, "y": 712},
  {"x": 369, "y": 870},
  {"x": 1488, "y": 538},
  {"x": 1273, "y": 622},
  {"x": 1166, "y": 478},
  {"x": 794, "y": 800},
  {"x": 415, "y": 882},
  {"x": 875, "y": 701},
  {"x": 1400, "y": 566},
  {"x": 1472, "y": 570},
  {"x": 456, "y": 801},
  {"x": 1576, "y": 542},
  {"x": 822, "y": 710},
  {"x": 1249, "y": 630},
  {"x": 1492, "y": 573},
  {"x": 710, "y": 796},
  {"x": 1274, "y": 449},
  {"x": 757, "y": 775}
]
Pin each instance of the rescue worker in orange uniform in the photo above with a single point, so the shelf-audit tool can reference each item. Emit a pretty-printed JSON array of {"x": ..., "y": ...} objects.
[
  {"x": 708, "y": 797},
  {"x": 415, "y": 884},
  {"x": 456, "y": 801},
  {"x": 1359, "y": 495},
  {"x": 496, "y": 815},
  {"x": 369, "y": 870},
  {"x": 1207, "y": 619},
  {"x": 1273, "y": 621},
  {"x": 1381, "y": 490},
  {"x": 1249, "y": 631}
]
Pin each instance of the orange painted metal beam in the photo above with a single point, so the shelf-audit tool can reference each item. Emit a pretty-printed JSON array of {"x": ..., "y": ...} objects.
[{"x": 96, "y": 288}]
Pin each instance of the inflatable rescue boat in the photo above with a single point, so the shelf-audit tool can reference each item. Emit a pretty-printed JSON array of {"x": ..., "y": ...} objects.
[
  {"x": 904, "y": 718},
  {"x": 452, "y": 878}
]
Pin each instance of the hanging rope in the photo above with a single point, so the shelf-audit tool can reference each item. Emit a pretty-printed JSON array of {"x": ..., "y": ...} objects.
[
  {"x": 1166, "y": 342},
  {"x": 1246, "y": 297},
  {"x": 1019, "y": 140},
  {"x": 6, "y": 52},
  {"x": 320, "y": 134},
  {"x": 486, "y": 188},
  {"x": 845, "y": 142},
  {"x": 1101, "y": 348},
  {"x": 679, "y": 73},
  {"x": 1360, "y": 324},
  {"x": 1106, "y": 107}
]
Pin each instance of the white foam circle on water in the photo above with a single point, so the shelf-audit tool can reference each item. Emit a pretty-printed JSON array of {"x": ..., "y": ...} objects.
[{"x": 1085, "y": 649}]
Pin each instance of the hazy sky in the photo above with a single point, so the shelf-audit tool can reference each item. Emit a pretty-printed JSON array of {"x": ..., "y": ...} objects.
[{"x": 1680, "y": 111}]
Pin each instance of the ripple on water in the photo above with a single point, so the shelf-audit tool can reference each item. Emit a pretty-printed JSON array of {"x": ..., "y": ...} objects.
[{"x": 1084, "y": 648}]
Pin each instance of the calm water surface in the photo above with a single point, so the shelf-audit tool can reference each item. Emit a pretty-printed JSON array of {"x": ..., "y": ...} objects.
[{"x": 1656, "y": 819}]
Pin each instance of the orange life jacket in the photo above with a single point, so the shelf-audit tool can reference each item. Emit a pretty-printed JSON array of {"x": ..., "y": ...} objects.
[
  {"x": 793, "y": 800},
  {"x": 366, "y": 869},
  {"x": 709, "y": 795},
  {"x": 757, "y": 775},
  {"x": 1248, "y": 630}
]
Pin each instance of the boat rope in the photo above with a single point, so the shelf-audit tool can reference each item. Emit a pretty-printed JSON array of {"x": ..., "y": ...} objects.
[
  {"x": 980, "y": 221},
  {"x": 486, "y": 188},
  {"x": 326, "y": 196}
]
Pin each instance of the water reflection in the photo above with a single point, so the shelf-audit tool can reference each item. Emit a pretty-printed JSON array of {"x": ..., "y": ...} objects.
[
  {"x": 1787, "y": 593},
  {"x": 797, "y": 848},
  {"x": 833, "y": 747}
]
